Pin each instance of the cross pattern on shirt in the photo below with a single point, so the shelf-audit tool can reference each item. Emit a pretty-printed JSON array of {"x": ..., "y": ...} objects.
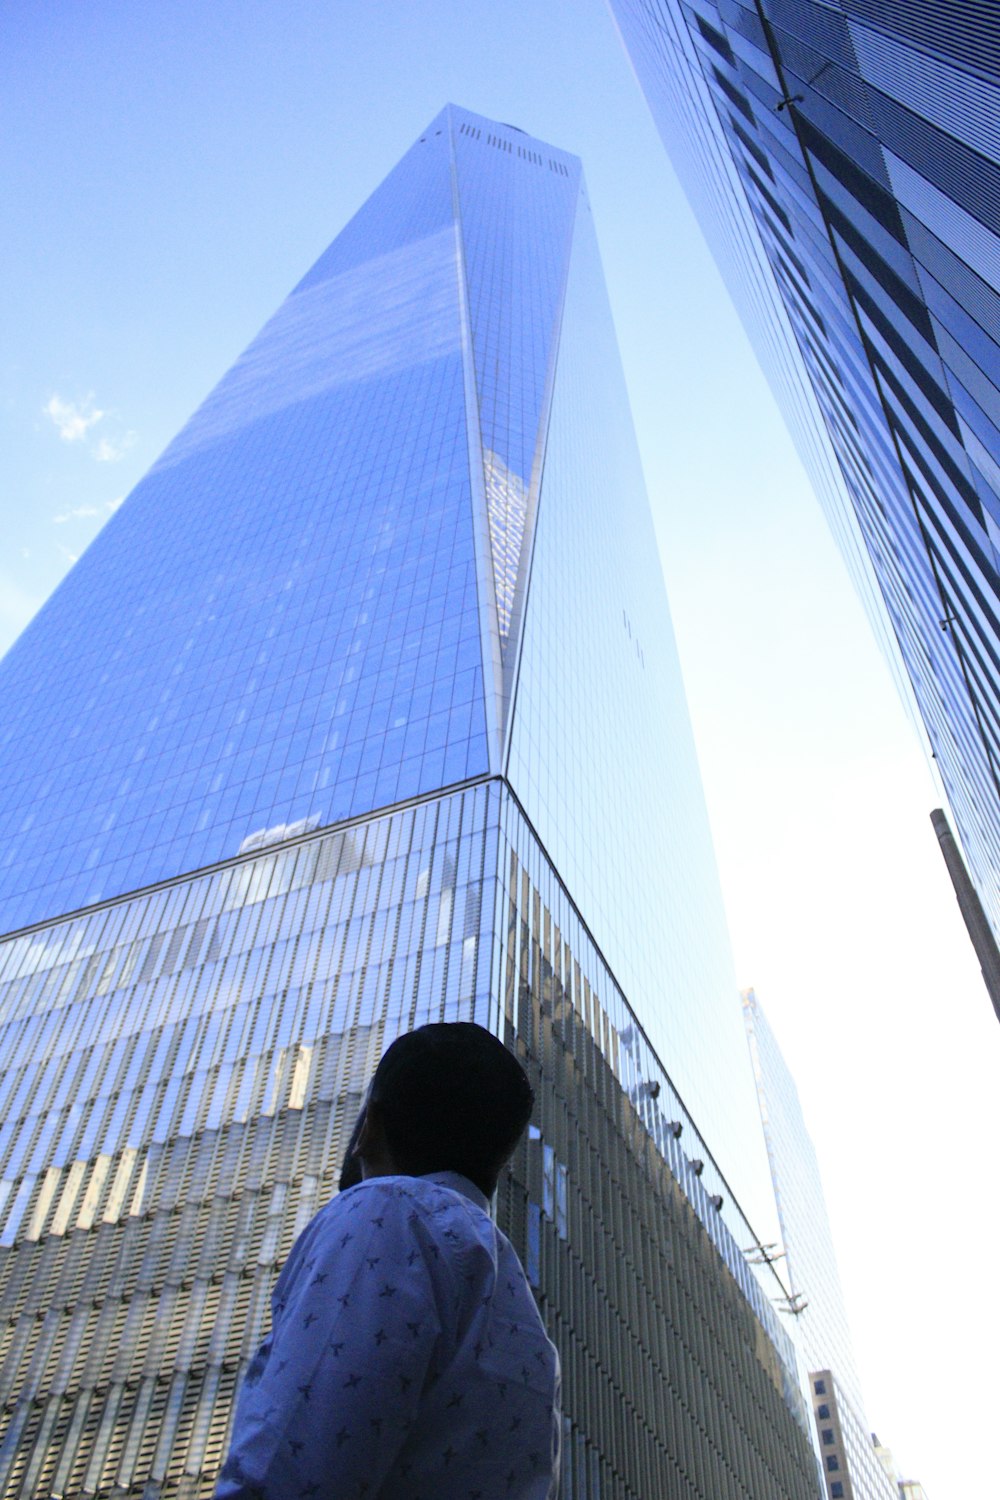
[{"x": 403, "y": 1348}]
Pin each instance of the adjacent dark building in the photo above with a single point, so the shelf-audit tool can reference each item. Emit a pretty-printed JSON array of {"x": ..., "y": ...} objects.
[{"x": 843, "y": 157}]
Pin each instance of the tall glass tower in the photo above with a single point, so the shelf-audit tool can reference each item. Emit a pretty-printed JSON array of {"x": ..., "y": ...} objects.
[
  {"x": 364, "y": 710},
  {"x": 843, "y": 158}
]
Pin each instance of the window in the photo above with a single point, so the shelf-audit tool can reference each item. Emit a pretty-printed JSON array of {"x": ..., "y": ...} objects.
[
  {"x": 533, "y": 1259},
  {"x": 819, "y": 1386},
  {"x": 823, "y": 1412},
  {"x": 827, "y": 1434},
  {"x": 832, "y": 1462},
  {"x": 836, "y": 1490}
]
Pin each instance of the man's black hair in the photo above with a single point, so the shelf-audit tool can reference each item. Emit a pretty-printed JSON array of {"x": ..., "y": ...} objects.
[
  {"x": 350, "y": 1172},
  {"x": 452, "y": 1098}
]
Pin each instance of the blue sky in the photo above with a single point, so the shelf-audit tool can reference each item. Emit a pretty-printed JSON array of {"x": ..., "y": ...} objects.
[{"x": 170, "y": 173}]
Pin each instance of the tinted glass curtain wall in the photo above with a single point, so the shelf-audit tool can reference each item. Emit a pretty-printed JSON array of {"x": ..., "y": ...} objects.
[
  {"x": 362, "y": 711},
  {"x": 843, "y": 157}
]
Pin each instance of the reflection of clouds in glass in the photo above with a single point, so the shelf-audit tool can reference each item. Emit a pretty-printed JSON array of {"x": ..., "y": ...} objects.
[
  {"x": 392, "y": 312},
  {"x": 507, "y": 507},
  {"x": 279, "y": 833}
]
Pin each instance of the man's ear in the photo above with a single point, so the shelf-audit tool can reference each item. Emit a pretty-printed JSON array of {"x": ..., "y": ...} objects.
[
  {"x": 372, "y": 1148},
  {"x": 363, "y": 1132}
]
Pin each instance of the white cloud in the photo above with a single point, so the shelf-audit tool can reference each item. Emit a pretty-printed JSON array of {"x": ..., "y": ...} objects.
[
  {"x": 73, "y": 419},
  {"x": 78, "y": 513},
  {"x": 87, "y": 512},
  {"x": 108, "y": 452},
  {"x": 71, "y": 557}
]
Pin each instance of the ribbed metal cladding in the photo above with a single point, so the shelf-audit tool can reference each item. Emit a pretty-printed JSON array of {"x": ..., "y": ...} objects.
[
  {"x": 967, "y": 31},
  {"x": 206, "y": 1108},
  {"x": 669, "y": 1350}
]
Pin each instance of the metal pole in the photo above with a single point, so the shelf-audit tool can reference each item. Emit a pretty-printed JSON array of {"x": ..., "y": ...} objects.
[{"x": 971, "y": 908}]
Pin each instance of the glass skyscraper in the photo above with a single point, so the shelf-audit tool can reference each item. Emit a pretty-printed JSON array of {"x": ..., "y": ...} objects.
[
  {"x": 852, "y": 1468},
  {"x": 843, "y": 158},
  {"x": 364, "y": 710}
]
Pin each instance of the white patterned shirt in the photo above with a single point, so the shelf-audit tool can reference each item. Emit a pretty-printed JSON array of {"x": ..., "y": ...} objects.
[{"x": 406, "y": 1359}]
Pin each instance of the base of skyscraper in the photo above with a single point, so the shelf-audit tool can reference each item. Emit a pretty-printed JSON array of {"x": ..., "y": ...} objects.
[{"x": 198, "y": 1056}]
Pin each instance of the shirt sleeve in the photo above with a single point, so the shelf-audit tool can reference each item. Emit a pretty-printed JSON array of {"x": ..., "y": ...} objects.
[{"x": 332, "y": 1394}]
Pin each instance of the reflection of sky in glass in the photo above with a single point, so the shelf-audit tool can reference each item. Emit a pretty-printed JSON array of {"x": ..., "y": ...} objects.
[
  {"x": 283, "y": 625},
  {"x": 282, "y": 622},
  {"x": 601, "y": 751},
  {"x": 390, "y": 313}
]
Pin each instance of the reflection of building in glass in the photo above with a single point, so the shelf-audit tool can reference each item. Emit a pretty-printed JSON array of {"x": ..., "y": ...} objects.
[
  {"x": 362, "y": 711},
  {"x": 851, "y": 1465},
  {"x": 844, "y": 162},
  {"x": 909, "y": 1489},
  {"x": 506, "y": 509},
  {"x": 885, "y": 1458}
]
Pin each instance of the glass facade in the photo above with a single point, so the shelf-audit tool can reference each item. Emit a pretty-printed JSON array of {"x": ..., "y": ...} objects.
[
  {"x": 821, "y": 1325},
  {"x": 364, "y": 711},
  {"x": 844, "y": 161},
  {"x": 299, "y": 637},
  {"x": 600, "y": 752}
]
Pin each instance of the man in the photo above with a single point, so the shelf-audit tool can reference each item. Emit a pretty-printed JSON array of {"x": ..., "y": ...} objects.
[{"x": 407, "y": 1359}]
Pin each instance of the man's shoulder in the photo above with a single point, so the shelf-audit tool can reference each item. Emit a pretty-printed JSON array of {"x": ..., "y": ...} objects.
[
  {"x": 346, "y": 1228},
  {"x": 381, "y": 1200},
  {"x": 416, "y": 1217},
  {"x": 375, "y": 1200},
  {"x": 431, "y": 1201}
]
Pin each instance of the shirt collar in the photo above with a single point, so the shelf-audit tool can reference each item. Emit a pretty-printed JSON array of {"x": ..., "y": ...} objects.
[{"x": 460, "y": 1184}]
